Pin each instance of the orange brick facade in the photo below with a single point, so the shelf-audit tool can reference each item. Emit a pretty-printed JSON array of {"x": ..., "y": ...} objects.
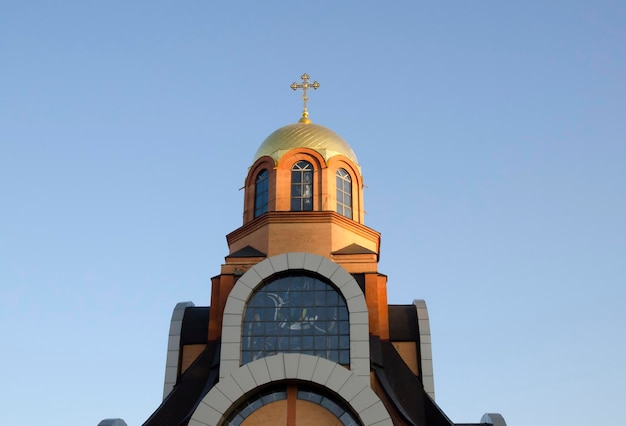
[
  {"x": 228, "y": 361},
  {"x": 321, "y": 231}
]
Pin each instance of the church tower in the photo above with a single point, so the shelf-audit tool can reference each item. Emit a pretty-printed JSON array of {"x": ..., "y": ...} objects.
[{"x": 299, "y": 331}]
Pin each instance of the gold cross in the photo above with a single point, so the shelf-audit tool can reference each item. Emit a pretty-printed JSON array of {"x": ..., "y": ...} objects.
[{"x": 305, "y": 86}]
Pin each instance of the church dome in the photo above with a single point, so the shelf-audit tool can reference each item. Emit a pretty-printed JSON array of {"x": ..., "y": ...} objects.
[{"x": 305, "y": 135}]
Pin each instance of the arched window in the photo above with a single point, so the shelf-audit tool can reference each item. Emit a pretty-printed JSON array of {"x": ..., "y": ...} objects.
[
  {"x": 328, "y": 410},
  {"x": 299, "y": 314},
  {"x": 302, "y": 186},
  {"x": 261, "y": 192},
  {"x": 344, "y": 193}
]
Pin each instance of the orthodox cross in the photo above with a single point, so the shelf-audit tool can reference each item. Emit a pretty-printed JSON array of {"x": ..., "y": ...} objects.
[{"x": 305, "y": 86}]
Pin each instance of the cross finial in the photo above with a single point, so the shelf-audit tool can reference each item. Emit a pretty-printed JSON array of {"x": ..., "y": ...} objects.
[{"x": 305, "y": 86}]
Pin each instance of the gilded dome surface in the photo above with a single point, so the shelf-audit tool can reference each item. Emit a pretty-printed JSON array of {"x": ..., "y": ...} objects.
[{"x": 305, "y": 135}]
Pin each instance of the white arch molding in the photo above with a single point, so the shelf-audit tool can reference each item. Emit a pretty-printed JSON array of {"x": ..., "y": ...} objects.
[
  {"x": 290, "y": 366},
  {"x": 352, "y": 385},
  {"x": 244, "y": 287}
]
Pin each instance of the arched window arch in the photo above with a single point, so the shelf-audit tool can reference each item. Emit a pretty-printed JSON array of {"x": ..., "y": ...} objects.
[
  {"x": 302, "y": 186},
  {"x": 296, "y": 313},
  {"x": 344, "y": 193},
  {"x": 328, "y": 409},
  {"x": 261, "y": 190}
]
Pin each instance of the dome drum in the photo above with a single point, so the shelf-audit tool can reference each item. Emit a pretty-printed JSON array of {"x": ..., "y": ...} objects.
[{"x": 324, "y": 183}]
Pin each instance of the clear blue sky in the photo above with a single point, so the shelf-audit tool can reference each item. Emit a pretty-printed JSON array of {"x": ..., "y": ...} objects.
[{"x": 492, "y": 138}]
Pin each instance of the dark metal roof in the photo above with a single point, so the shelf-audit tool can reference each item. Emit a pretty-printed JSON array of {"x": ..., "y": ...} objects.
[
  {"x": 178, "y": 407},
  {"x": 247, "y": 251},
  {"x": 403, "y": 388},
  {"x": 354, "y": 249}
]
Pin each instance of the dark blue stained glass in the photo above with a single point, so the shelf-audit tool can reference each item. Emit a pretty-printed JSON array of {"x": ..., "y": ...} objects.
[
  {"x": 282, "y": 344},
  {"x": 254, "y": 303},
  {"x": 347, "y": 420},
  {"x": 332, "y": 406},
  {"x": 308, "y": 284},
  {"x": 280, "y": 285},
  {"x": 331, "y": 298},
  {"x": 308, "y": 329},
  {"x": 246, "y": 411},
  {"x": 237, "y": 420},
  {"x": 294, "y": 343},
  {"x": 271, "y": 343},
  {"x": 267, "y": 399},
  {"x": 307, "y": 342},
  {"x": 319, "y": 285},
  {"x": 343, "y": 315},
  {"x": 308, "y": 395},
  {"x": 255, "y": 405},
  {"x": 344, "y": 341},
  {"x": 261, "y": 193},
  {"x": 308, "y": 298},
  {"x": 322, "y": 354},
  {"x": 332, "y": 342},
  {"x": 320, "y": 342},
  {"x": 280, "y": 395},
  {"x": 344, "y": 328},
  {"x": 344, "y": 357},
  {"x": 320, "y": 328},
  {"x": 249, "y": 315},
  {"x": 258, "y": 344},
  {"x": 293, "y": 314},
  {"x": 267, "y": 314},
  {"x": 332, "y": 313}
]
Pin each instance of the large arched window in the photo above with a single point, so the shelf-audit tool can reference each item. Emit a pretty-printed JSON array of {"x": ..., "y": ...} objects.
[
  {"x": 299, "y": 314},
  {"x": 344, "y": 193},
  {"x": 261, "y": 192},
  {"x": 308, "y": 405},
  {"x": 302, "y": 186}
]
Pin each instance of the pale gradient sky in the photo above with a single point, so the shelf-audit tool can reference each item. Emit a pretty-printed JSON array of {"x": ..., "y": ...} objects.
[{"x": 491, "y": 137}]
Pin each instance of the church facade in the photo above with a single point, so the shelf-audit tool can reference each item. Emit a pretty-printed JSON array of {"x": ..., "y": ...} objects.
[{"x": 299, "y": 330}]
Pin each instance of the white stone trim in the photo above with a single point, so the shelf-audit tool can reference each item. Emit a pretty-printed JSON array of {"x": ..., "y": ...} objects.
[
  {"x": 173, "y": 346},
  {"x": 494, "y": 419},
  {"x": 244, "y": 287},
  {"x": 290, "y": 366},
  {"x": 426, "y": 353}
]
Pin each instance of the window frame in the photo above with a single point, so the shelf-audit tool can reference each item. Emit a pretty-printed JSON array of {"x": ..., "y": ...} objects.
[
  {"x": 302, "y": 186},
  {"x": 261, "y": 193},
  {"x": 343, "y": 181},
  {"x": 296, "y": 312}
]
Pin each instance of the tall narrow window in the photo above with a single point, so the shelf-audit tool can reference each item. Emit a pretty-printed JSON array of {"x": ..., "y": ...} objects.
[
  {"x": 344, "y": 193},
  {"x": 302, "y": 186},
  {"x": 260, "y": 193}
]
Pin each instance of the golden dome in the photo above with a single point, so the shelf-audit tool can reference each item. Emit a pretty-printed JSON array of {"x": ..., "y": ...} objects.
[{"x": 305, "y": 135}]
